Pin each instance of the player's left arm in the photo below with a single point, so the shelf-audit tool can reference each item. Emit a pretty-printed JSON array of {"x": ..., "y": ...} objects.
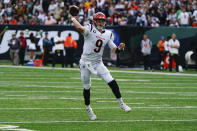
[{"x": 115, "y": 48}]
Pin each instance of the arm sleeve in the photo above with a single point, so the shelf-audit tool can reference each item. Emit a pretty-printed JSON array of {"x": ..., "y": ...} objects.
[{"x": 111, "y": 44}]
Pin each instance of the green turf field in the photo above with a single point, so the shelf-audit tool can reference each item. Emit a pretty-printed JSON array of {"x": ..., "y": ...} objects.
[{"x": 51, "y": 100}]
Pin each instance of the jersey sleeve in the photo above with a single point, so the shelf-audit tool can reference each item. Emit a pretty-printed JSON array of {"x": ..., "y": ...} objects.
[
  {"x": 111, "y": 36},
  {"x": 88, "y": 28},
  {"x": 111, "y": 44}
]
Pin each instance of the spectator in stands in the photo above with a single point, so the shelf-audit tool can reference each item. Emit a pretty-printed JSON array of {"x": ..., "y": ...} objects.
[
  {"x": 69, "y": 46},
  {"x": 52, "y": 7},
  {"x": 62, "y": 21},
  {"x": 4, "y": 20},
  {"x": 194, "y": 18},
  {"x": 82, "y": 11},
  {"x": 122, "y": 21},
  {"x": 37, "y": 20},
  {"x": 23, "y": 46},
  {"x": 29, "y": 6},
  {"x": 171, "y": 17},
  {"x": 26, "y": 19},
  {"x": 42, "y": 17},
  {"x": 154, "y": 20},
  {"x": 146, "y": 46},
  {"x": 86, "y": 21},
  {"x": 111, "y": 9},
  {"x": 57, "y": 12},
  {"x": 50, "y": 20},
  {"x": 20, "y": 9},
  {"x": 174, "y": 46},
  {"x": 59, "y": 50},
  {"x": 14, "y": 44},
  {"x": 20, "y": 20},
  {"x": 162, "y": 16},
  {"x": 6, "y": 2},
  {"x": 32, "y": 46},
  {"x": 160, "y": 46},
  {"x": 114, "y": 18},
  {"x": 87, "y": 4},
  {"x": 37, "y": 7},
  {"x": 154, "y": 24},
  {"x": 184, "y": 18},
  {"x": 61, "y": 3},
  {"x": 141, "y": 20},
  {"x": 125, "y": 9},
  {"x": 32, "y": 20},
  {"x": 9, "y": 8},
  {"x": 45, "y": 5},
  {"x": 13, "y": 21},
  {"x": 65, "y": 13},
  {"x": 100, "y": 3},
  {"x": 1, "y": 12},
  {"x": 91, "y": 12},
  {"x": 47, "y": 45}
]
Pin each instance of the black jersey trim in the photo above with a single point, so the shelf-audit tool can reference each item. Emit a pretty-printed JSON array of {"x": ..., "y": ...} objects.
[
  {"x": 91, "y": 27},
  {"x": 111, "y": 35}
]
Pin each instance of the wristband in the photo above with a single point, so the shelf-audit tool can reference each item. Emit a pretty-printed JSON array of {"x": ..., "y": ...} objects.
[
  {"x": 117, "y": 50},
  {"x": 73, "y": 18}
]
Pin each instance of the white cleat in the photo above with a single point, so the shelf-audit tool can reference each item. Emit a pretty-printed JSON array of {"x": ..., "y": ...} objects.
[
  {"x": 125, "y": 107},
  {"x": 91, "y": 113}
]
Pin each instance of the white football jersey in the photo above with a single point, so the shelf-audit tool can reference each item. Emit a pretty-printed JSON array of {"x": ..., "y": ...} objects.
[{"x": 94, "y": 43}]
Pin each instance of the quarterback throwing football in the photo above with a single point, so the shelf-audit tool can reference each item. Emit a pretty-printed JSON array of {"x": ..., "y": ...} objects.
[{"x": 95, "y": 39}]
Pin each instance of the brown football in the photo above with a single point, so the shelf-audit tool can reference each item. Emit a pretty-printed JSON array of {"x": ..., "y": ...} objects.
[{"x": 74, "y": 10}]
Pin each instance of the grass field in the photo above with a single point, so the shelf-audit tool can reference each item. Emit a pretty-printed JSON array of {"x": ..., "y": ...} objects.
[{"x": 51, "y": 100}]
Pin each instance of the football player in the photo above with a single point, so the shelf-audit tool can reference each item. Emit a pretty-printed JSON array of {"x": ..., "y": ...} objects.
[{"x": 95, "y": 39}]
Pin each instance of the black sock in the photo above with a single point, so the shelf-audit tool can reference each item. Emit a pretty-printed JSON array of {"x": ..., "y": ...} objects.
[
  {"x": 86, "y": 95},
  {"x": 115, "y": 88}
]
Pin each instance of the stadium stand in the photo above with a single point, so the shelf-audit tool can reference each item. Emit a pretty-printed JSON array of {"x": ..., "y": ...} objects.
[{"x": 153, "y": 13}]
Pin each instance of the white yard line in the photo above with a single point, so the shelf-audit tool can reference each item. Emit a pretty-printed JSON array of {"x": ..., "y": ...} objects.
[
  {"x": 13, "y": 128},
  {"x": 39, "y": 86},
  {"x": 141, "y": 83},
  {"x": 126, "y": 78},
  {"x": 98, "y": 121},
  {"x": 103, "y": 108},
  {"x": 66, "y": 82},
  {"x": 16, "y": 95},
  {"x": 104, "y": 91},
  {"x": 80, "y": 98},
  {"x": 118, "y": 71}
]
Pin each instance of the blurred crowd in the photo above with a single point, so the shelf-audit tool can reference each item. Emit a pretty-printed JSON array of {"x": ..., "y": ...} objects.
[{"x": 143, "y": 13}]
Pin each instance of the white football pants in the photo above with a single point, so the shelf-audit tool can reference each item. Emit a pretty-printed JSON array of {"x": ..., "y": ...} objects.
[{"x": 99, "y": 69}]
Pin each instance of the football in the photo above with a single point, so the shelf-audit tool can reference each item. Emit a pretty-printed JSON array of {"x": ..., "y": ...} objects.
[{"x": 74, "y": 10}]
